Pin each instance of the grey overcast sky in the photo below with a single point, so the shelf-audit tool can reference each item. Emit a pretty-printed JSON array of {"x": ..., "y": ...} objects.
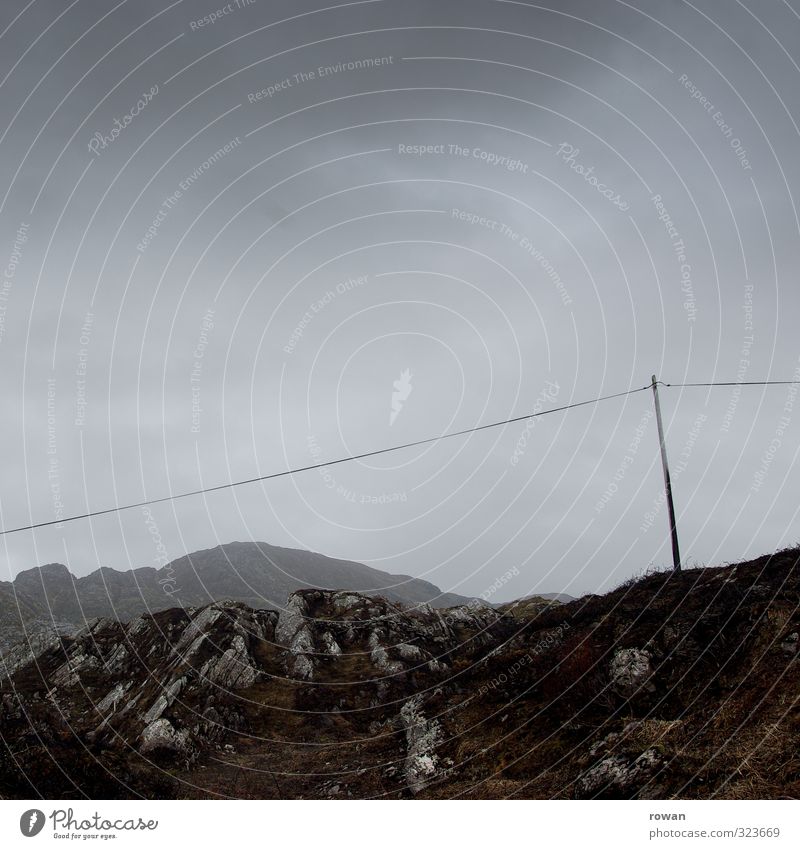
[{"x": 228, "y": 232}]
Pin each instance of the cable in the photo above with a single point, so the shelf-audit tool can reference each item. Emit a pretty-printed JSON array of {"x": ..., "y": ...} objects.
[
  {"x": 320, "y": 465},
  {"x": 376, "y": 453},
  {"x": 736, "y": 383}
]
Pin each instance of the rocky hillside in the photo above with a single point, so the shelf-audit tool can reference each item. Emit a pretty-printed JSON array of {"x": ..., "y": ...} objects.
[
  {"x": 50, "y": 598},
  {"x": 671, "y": 686}
]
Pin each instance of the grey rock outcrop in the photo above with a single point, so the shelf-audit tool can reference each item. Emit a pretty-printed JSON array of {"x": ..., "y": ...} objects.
[
  {"x": 621, "y": 776},
  {"x": 422, "y": 738},
  {"x": 164, "y": 700},
  {"x": 109, "y": 702},
  {"x": 168, "y": 683},
  {"x": 293, "y": 632},
  {"x": 791, "y": 644},
  {"x": 234, "y": 669},
  {"x": 24, "y": 652},
  {"x": 317, "y": 627},
  {"x": 162, "y": 736},
  {"x": 631, "y": 672}
]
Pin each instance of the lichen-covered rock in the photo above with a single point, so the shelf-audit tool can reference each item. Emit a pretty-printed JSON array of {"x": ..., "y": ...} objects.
[
  {"x": 130, "y": 704},
  {"x": 619, "y": 776},
  {"x": 791, "y": 643},
  {"x": 293, "y": 631},
  {"x": 98, "y": 625},
  {"x": 162, "y": 736},
  {"x": 380, "y": 656},
  {"x": 117, "y": 660},
  {"x": 138, "y": 626},
  {"x": 331, "y": 646},
  {"x": 303, "y": 668},
  {"x": 422, "y": 738},
  {"x": 631, "y": 672},
  {"x": 22, "y": 653},
  {"x": 196, "y": 630},
  {"x": 110, "y": 701},
  {"x": 164, "y": 700},
  {"x": 233, "y": 669},
  {"x": 346, "y": 601},
  {"x": 169, "y": 681},
  {"x": 303, "y": 641},
  {"x": 291, "y": 619},
  {"x": 68, "y": 674},
  {"x": 408, "y": 652}
]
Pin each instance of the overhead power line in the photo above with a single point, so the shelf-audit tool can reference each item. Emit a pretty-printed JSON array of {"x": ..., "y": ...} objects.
[
  {"x": 352, "y": 457},
  {"x": 734, "y": 383},
  {"x": 299, "y": 470}
]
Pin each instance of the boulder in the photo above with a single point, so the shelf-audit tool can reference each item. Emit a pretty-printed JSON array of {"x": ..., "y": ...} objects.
[
  {"x": 422, "y": 738},
  {"x": 233, "y": 669},
  {"x": 108, "y": 704},
  {"x": 162, "y": 736},
  {"x": 631, "y": 672},
  {"x": 291, "y": 619},
  {"x": 618, "y": 776},
  {"x": 165, "y": 700},
  {"x": 790, "y": 644}
]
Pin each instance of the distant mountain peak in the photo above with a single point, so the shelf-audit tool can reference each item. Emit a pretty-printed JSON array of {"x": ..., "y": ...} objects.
[
  {"x": 49, "y": 569},
  {"x": 258, "y": 574}
]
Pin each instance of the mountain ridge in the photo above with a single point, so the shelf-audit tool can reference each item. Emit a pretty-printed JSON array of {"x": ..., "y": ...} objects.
[{"x": 50, "y": 597}]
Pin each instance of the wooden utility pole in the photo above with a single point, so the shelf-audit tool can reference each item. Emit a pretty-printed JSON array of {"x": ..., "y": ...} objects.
[{"x": 676, "y": 553}]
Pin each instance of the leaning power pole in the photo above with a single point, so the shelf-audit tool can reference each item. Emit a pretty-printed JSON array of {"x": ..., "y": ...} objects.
[{"x": 676, "y": 554}]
